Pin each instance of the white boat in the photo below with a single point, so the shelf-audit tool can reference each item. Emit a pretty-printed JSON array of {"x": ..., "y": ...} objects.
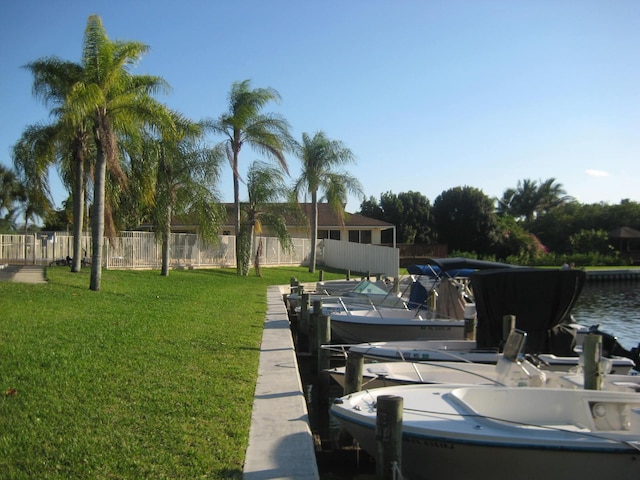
[
  {"x": 466, "y": 351},
  {"x": 512, "y": 368},
  {"x": 356, "y": 326},
  {"x": 387, "y": 374},
  {"x": 341, "y": 295},
  {"x": 461, "y": 432}
]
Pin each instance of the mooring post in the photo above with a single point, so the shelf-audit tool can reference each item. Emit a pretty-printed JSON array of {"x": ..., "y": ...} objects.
[
  {"x": 320, "y": 276},
  {"x": 432, "y": 300},
  {"x": 304, "y": 313},
  {"x": 592, "y": 354},
  {"x": 303, "y": 323},
  {"x": 313, "y": 326},
  {"x": 353, "y": 373},
  {"x": 470, "y": 321},
  {"x": 388, "y": 435},
  {"x": 508, "y": 324},
  {"x": 293, "y": 285},
  {"x": 323, "y": 337}
]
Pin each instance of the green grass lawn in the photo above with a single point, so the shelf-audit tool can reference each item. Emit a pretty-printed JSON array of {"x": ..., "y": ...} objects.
[{"x": 152, "y": 377}]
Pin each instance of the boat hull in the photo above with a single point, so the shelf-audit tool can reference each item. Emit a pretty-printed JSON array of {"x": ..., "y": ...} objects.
[
  {"x": 353, "y": 328},
  {"x": 429, "y": 458},
  {"x": 458, "y": 432}
]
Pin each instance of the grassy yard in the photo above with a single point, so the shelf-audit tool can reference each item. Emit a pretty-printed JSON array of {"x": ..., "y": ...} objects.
[{"x": 151, "y": 377}]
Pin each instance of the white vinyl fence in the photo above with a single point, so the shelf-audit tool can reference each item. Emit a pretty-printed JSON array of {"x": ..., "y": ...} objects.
[
  {"x": 374, "y": 259},
  {"x": 130, "y": 250},
  {"x": 141, "y": 250}
]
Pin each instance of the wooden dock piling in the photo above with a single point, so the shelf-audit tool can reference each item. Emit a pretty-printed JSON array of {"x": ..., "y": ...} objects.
[
  {"x": 388, "y": 436},
  {"x": 592, "y": 354}
]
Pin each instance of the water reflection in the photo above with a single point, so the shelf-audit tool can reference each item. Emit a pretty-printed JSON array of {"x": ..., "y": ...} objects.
[{"x": 613, "y": 305}]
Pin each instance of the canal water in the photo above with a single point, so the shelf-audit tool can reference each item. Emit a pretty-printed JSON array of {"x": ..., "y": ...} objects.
[{"x": 615, "y": 306}]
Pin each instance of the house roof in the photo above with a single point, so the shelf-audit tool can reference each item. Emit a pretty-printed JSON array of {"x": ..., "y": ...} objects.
[
  {"x": 624, "y": 232},
  {"x": 327, "y": 218}
]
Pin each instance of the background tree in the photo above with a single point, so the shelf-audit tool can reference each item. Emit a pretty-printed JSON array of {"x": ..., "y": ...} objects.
[
  {"x": 464, "y": 219},
  {"x": 270, "y": 204},
  {"x": 320, "y": 157},
  {"x": 114, "y": 100},
  {"x": 372, "y": 209},
  {"x": 531, "y": 199},
  {"x": 187, "y": 174},
  {"x": 514, "y": 241},
  {"x": 65, "y": 142},
  {"x": 12, "y": 194},
  {"x": 245, "y": 123},
  {"x": 59, "y": 220},
  {"x": 591, "y": 241},
  {"x": 409, "y": 211}
]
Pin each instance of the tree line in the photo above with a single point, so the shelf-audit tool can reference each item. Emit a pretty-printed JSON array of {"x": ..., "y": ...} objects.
[
  {"x": 132, "y": 159},
  {"x": 533, "y": 223}
]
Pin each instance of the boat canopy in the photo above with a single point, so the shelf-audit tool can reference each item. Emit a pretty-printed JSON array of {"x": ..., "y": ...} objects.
[
  {"x": 436, "y": 267},
  {"x": 541, "y": 300}
]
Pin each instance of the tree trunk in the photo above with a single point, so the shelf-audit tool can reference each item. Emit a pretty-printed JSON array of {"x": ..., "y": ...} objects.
[
  {"x": 257, "y": 260},
  {"x": 166, "y": 235},
  {"x": 78, "y": 212},
  {"x": 236, "y": 199},
  {"x": 97, "y": 220},
  {"x": 314, "y": 231}
]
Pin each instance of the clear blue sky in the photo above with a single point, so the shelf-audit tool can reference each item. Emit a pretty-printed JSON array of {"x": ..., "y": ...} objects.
[{"x": 429, "y": 95}]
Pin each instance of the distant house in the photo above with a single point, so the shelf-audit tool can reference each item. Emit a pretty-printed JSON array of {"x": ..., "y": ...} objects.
[
  {"x": 627, "y": 241},
  {"x": 354, "y": 228}
]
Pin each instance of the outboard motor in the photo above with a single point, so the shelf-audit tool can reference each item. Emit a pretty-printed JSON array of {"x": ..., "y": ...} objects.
[{"x": 611, "y": 347}]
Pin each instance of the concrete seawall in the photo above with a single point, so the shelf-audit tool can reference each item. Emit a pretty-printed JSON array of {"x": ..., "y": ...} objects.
[
  {"x": 280, "y": 441},
  {"x": 618, "y": 274}
]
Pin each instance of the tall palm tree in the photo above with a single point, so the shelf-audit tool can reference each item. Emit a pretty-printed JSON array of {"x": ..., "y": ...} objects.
[
  {"x": 65, "y": 142},
  {"x": 114, "y": 100},
  {"x": 270, "y": 203},
  {"x": 244, "y": 123},
  {"x": 320, "y": 157},
  {"x": 186, "y": 177}
]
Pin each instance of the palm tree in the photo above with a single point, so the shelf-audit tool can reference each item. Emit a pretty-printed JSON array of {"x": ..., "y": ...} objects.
[
  {"x": 114, "y": 100},
  {"x": 244, "y": 123},
  {"x": 186, "y": 178},
  {"x": 12, "y": 192},
  {"x": 530, "y": 199},
  {"x": 320, "y": 156},
  {"x": 65, "y": 142},
  {"x": 267, "y": 190},
  {"x": 552, "y": 195}
]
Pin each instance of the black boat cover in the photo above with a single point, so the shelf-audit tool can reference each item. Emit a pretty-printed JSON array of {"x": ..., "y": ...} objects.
[{"x": 541, "y": 300}]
